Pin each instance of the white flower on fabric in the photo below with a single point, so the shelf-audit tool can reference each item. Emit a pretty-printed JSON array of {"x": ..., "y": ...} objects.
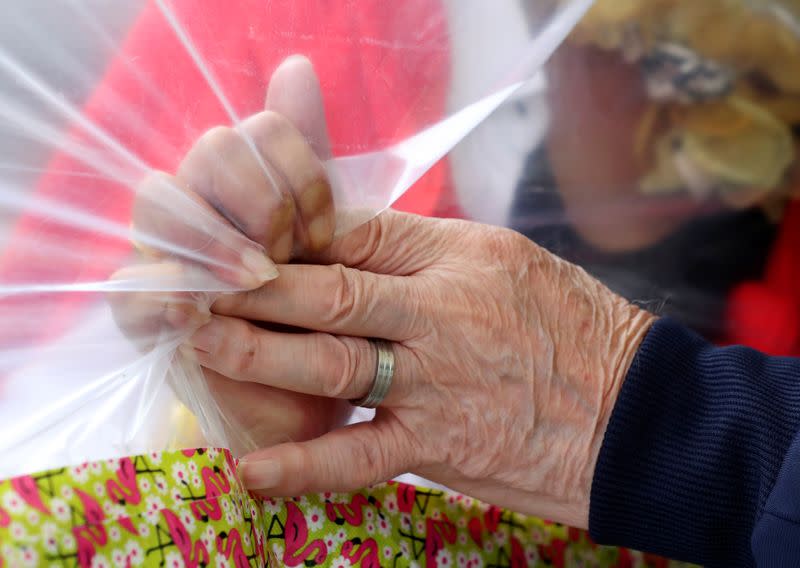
[
  {"x": 388, "y": 553},
  {"x": 369, "y": 514},
  {"x": 196, "y": 481},
  {"x": 155, "y": 458},
  {"x": 404, "y": 548},
  {"x": 67, "y": 492},
  {"x": 144, "y": 528},
  {"x": 272, "y": 506},
  {"x": 475, "y": 560},
  {"x": 461, "y": 560},
  {"x": 153, "y": 504},
  {"x": 405, "y": 521},
  {"x": 188, "y": 521},
  {"x": 435, "y": 514},
  {"x": 12, "y": 502},
  {"x": 370, "y": 528},
  {"x": 50, "y": 544},
  {"x": 461, "y": 523},
  {"x": 29, "y": 557},
  {"x": 192, "y": 467},
  {"x": 211, "y": 534},
  {"x": 444, "y": 558},
  {"x": 246, "y": 539},
  {"x": 134, "y": 553},
  {"x": 144, "y": 484},
  {"x": 339, "y": 498},
  {"x": 100, "y": 561},
  {"x": 112, "y": 464},
  {"x": 238, "y": 514},
  {"x": 314, "y": 518},
  {"x": 277, "y": 550},
  {"x": 17, "y": 531},
  {"x": 176, "y": 496},
  {"x": 341, "y": 535},
  {"x": 152, "y": 517},
  {"x": 114, "y": 534},
  {"x": 341, "y": 562},
  {"x": 230, "y": 518},
  {"x": 117, "y": 511},
  {"x": 118, "y": 557},
  {"x": 99, "y": 488},
  {"x": 161, "y": 486},
  {"x": 33, "y": 517},
  {"x": 501, "y": 538},
  {"x": 488, "y": 546},
  {"x": 531, "y": 555},
  {"x": 212, "y": 454},
  {"x": 384, "y": 526},
  {"x": 68, "y": 542},
  {"x": 420, "y": 527},
  {"x": 390, "y": 505},
  {"x": 96, "y": 467},
  {"x": 325, "y": 496},
  {"x": 174, "y": 560},
  {"x": 179, "y": 473},
  {"x": 79, "y": 473},
  {"x": 413, "y": 564},
  {"x": 462, "y": 539},
  {"x": 221, "y": 562},
  {"x": 330, "y": 542},
  {"x": 8, "y": 552},
  {"x": 225, "y": 504}
]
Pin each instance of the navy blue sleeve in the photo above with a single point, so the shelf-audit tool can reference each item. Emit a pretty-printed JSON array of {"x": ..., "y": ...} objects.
[{"x": 701, "y": 458}]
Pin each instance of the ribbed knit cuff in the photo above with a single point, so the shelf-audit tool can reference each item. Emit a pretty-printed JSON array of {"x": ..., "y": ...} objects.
[{"x": 694, "y": 444}]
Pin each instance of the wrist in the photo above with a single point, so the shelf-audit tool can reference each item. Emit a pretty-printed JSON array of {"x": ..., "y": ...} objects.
[{"x": 632, "y": 327}]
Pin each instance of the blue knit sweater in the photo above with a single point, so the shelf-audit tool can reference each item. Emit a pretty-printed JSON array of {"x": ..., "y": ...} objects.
[{"x": 701, "y": 459}]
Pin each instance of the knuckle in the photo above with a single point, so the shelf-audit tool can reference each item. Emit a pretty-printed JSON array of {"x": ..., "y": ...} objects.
[
  {"x": 346, "y": 291},
  {"x": 218, "y": 139},
  {"x": 348, "y": 358},
  {"x": 268, "y": 125},
  {"x": 373, "y": 241},
  {"x": 245, "y": 352},
  {"x": 373, "y": 460},
  {"x": 302, "y": 460}
]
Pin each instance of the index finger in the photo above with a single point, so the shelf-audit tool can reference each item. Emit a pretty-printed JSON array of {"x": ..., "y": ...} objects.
[{"x": 334, "y": 299}]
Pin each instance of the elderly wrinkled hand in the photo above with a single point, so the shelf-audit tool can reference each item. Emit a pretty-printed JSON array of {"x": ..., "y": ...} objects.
[{"x": 508, "y": 361}]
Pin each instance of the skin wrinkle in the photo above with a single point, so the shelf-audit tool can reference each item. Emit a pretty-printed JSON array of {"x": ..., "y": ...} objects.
[{"x": 515, "y": 357}]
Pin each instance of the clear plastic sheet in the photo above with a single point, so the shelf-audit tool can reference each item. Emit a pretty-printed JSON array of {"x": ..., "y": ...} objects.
[
  {"x": 653, "y": 142},
  {"x": 660, "y": 156},
  {"x": 100, "y": 103}
]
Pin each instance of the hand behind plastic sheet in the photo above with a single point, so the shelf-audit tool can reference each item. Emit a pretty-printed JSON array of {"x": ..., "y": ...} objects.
[{"x": 220, "y": 188}]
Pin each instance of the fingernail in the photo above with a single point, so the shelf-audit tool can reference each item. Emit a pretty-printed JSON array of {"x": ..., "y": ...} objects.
[
  {"x": 320, "y": 232},
  {"x": 259, "y": 266},
  {"x": 207, "y": 337},
  {"x": 261, "y": 474}
]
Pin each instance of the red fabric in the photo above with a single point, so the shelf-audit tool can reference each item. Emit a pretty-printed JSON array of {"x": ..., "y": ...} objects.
[
  {"x": 383, "y": 66},
  {"x": 765, "y": 315}
]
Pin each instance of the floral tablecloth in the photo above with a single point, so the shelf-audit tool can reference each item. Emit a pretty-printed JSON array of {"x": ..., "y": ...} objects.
[{"x": 190, "y": 509}]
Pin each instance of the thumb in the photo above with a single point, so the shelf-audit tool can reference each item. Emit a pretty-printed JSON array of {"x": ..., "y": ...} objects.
[
  {"x": 295, "y": 92},
  {"x": 344, "y": 460},
  {"x": 393, "y": 243}
]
